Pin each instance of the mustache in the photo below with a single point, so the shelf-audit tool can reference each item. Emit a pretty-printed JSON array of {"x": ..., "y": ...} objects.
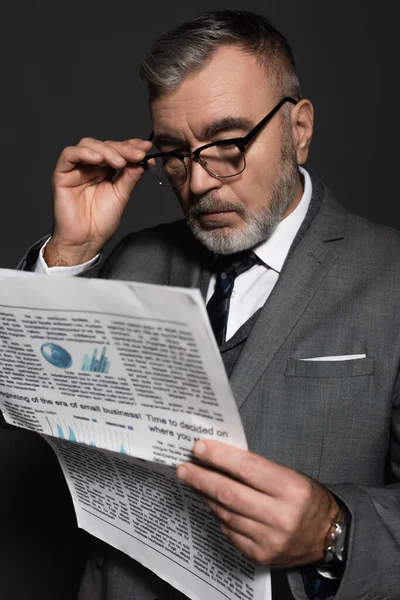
[{"x": 210, "y": 204}]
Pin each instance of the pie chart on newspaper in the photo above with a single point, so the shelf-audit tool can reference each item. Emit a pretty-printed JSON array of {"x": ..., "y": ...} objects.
[{"x": 56, "y": 355}]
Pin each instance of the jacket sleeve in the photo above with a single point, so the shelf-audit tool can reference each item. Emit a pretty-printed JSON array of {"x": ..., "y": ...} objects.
[
  {"x": 29, "y": 259},
  {"x": 27, "y": 263},
  {"x": 372, "y": 569}
]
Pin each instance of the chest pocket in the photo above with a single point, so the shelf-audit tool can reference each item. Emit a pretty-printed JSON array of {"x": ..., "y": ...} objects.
[{"x": 329, "y": 368}]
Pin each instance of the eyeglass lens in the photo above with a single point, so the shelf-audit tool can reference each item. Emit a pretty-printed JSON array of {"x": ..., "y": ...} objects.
[{"x": 225, "y": 160}]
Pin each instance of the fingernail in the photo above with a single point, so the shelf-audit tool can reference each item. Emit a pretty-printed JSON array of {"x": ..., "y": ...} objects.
[
  {"x": 119, "y": 160},
  {"x": 199, "y": 448},
  {"x": 181, "y": 473}
]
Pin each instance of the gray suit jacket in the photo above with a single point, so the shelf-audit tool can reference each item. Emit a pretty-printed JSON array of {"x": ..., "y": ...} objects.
[{"x": 338, "y": 422}]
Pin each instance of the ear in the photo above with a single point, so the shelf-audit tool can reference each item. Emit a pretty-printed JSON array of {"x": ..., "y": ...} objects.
[{"x": 302, "y": 124}]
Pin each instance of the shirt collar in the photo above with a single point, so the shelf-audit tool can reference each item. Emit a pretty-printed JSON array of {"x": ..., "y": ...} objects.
[{"x": 274, "y": 250}]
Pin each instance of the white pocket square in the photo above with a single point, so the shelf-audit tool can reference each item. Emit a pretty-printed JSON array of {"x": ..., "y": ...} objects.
[{"x": 340, "y": 357}]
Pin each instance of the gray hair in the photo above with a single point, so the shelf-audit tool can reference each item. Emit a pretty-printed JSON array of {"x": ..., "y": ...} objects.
[{"x": 189, "y": 47}]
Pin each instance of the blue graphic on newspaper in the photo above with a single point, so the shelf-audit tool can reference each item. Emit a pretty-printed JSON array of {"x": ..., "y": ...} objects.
[
  {"x": 66, "y": 432},
  {"x": 56, "y": 355},
  {"x": 94, "y": 364},
  {"x": 71, "y": 434}
]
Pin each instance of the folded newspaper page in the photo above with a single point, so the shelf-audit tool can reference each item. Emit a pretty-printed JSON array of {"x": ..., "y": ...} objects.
[{"x": 121, "y": 379}]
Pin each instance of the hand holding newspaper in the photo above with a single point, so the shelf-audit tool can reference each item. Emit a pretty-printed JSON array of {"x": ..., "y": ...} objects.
[{"x": 132, "y": 374}]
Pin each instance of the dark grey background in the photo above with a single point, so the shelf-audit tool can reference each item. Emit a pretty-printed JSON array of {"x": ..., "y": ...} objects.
[{"x": 70, "y": 70}]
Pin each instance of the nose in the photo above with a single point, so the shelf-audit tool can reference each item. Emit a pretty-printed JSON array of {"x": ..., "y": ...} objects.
[{"x": 201, "y": 182}]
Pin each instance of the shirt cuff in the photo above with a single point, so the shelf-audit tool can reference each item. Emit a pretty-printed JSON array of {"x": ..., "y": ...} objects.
[{"x": 41, "y": 266}]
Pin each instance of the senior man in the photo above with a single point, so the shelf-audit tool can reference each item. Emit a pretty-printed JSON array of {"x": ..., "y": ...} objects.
[{"x": 302, "y": 295}]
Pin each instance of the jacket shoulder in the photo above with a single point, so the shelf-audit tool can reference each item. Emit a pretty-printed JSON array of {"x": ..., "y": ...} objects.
[
  {"x": 146, "y": 255},
  {"x": 378, "y": 244},
  {"x": 359, "y": 238}
]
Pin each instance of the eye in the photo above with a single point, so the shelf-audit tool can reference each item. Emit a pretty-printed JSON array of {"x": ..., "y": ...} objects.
[
  {"x": 172, "y": 164},
  {"x": 228, "y": 145},
  {"x": 228, "y": 151}
]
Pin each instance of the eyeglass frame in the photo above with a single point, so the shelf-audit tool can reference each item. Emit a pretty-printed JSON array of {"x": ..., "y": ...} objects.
[{"x": 240, "y": 142}]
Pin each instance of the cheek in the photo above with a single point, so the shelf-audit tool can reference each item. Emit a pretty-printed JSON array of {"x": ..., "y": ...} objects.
[
  {"x": 262, "y": 168},
  {"x": 265, "y": 153},
  {"x": 254, "y": 190}
]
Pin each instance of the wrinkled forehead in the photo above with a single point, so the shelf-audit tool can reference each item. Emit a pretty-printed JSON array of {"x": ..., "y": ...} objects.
[{"x": 232, "y": 83}]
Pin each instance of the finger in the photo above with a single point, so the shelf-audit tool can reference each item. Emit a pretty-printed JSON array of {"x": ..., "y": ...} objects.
[
  {"x": 127, "y": 179},
  {"x": 88, "y": 141},
  {"x": 254, "y": 530},
  {"x": 254, "y": 470},
  {"x": 145, "y": 144},
  {"x": 114, "y": 154},
  {"x": 110, "y": 151},
  {"x": 133, "y": 151},
  {"x": 228, "y": 493},
  {"x": 90, "y": 151},
  {"x": 73, "y": 155},
  {"x": 251, "y": 550}
]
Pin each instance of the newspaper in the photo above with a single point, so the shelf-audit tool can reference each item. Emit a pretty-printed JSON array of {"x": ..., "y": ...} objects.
[{"x": 122, "y": 378}]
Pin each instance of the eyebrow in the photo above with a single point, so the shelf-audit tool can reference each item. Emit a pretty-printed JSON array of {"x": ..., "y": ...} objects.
[{"x": 225, "y": 124}]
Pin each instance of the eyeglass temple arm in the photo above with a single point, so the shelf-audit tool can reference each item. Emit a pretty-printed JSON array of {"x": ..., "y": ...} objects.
[{"x": 266, "y": 120}]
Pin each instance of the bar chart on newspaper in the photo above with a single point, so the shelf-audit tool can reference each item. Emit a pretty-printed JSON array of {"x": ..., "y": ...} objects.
[{"x": 81, "y": 432}]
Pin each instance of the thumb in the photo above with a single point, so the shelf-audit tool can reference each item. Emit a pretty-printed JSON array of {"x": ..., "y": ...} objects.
[{"x": 126, "y": 180}]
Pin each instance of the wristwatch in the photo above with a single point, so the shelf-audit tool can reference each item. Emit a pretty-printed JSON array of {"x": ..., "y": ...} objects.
[{"x": 335, "y": 543}]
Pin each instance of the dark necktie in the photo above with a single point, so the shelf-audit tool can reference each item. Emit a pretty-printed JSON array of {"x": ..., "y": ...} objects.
[{"x": 227, "y": 268}]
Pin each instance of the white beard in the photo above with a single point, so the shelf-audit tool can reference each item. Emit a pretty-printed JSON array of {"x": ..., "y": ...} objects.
[{"x": 257, "y": 226}]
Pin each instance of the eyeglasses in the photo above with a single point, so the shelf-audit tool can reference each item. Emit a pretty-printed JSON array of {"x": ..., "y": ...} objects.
[{"x": 221, "y": 159}]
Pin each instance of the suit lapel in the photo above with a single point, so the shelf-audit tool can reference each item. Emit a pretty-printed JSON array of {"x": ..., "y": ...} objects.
[{"x": 301, "y": 276}]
